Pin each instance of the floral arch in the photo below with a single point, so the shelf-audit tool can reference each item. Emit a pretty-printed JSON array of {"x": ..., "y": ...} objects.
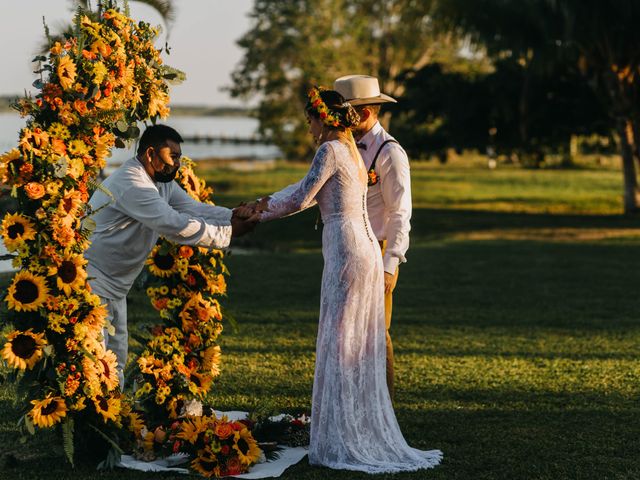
[{"x": 94, "y": 87}]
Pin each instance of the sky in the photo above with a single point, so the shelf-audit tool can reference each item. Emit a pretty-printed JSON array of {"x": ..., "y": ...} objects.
[{"x": 202, "y": 40}]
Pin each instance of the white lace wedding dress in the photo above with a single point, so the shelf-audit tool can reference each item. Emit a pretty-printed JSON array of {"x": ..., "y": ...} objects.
[{"x": 353, "y": 425}]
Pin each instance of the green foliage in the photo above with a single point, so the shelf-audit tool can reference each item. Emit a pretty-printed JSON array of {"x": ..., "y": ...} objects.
[
  {"x": 67, "y": 438},
  {"x": 517, "y": 358},
  {"x": 510, "y": 110},
  {"x": 294, "y": 44}
]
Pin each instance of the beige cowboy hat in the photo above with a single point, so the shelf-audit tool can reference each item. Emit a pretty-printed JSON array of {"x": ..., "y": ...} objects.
[{"x": 361, "y": 90}]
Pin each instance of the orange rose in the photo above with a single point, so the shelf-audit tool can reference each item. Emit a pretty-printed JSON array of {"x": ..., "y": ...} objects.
[
  {"x": 185, "y": 251},
  {"x": 34, "y": 190},
  {"x": 223, "y": 430},
  {"x": 81, "y": 107},
  {"x": 58, "y": 146}
]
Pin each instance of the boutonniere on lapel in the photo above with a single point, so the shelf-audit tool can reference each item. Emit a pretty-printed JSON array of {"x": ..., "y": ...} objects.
[{"x": 373, "y": 177}]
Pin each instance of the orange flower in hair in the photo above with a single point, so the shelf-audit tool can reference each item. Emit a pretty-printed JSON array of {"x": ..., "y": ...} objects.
[{"x": 328, "y": 118}]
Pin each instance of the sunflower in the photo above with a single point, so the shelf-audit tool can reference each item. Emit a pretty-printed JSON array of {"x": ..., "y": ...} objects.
[
  {"x": 206, "y": 464},
  {"x": 197, "y": 310},
  {"x": 70, "y": 273},
  {"x": 108, "y": 407},
  {"x": 46, "y": 413},
  {"x": 16, "y": 229},
  {"x": 23, "y": 349},
  {"x": 247, "y": 447},
  {"x": 70, "y": 203},
  {"x": 189, "y": 181},
  {"x": 135, "y": 423},
  {"x": 66, "y": 72},
  {"x": 200, "y": 383},
  {"x": 161, "y": 264},
  {"x": 27, "y": 292},
  {"x": 107, "y": 369},
  {"x": 190, "y": 429},
  {"x": 211, "y": 360}
]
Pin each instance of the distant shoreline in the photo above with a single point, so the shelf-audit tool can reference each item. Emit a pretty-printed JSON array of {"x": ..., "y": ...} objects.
[{"x": 177, "y": 110}]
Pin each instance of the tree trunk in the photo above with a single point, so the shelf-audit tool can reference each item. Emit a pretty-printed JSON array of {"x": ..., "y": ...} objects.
[{"x": 627, "y": 147}]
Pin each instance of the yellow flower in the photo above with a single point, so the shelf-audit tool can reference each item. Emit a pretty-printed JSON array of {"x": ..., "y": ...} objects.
[
  {"x": 211, "y": 360},
  {"x": 23, "y": 349},
  {"x": 191, "y": 428},
  {"x": 77, "y": 148},
  {"x": 200, "y": 384},
  {"x": 70, "y": 273},
  {"x": 246, "y": 446},
  {"x": 108, "y": 407},
  {"x": 79, "y": 405},
  {"x": 161, "y": 265},
  {"x": 52, "y": 188},
  {"x": 70, "y": 203},
  {"x": 66, "y": 72},
  {"x": 135, "y": 423},
  {"x": 16, "y": 229},
  {"x": 27, "y": 292},
  {"x": 59, "y": 130},
  {"x": 99, "y": 72},
  {"x": 46, "y": 413},
  {"x": 206, "y": 464}
]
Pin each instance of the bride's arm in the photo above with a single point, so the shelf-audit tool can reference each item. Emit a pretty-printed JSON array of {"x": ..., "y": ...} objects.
[{"x": 301, "y": 195}]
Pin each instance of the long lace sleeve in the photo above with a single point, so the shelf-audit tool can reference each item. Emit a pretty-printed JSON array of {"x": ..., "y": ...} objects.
[{"x": 301, "y": 195}]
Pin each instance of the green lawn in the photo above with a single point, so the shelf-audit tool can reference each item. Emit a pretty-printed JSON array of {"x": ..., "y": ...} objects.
[{"x": 516, "y": 327}]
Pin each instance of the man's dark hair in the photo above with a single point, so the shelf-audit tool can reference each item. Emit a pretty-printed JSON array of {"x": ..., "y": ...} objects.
[{"x": 156, "y": 136}]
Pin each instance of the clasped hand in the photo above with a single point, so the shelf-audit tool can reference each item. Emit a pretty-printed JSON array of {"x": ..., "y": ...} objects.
[{"x": 246, "y": 216}]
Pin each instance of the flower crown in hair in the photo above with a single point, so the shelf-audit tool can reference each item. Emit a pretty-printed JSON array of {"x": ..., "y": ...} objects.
[{"x": 328, "y": 118}]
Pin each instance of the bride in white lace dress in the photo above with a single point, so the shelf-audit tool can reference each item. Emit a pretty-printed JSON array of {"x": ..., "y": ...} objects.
[{"x": 353, "y": 425}]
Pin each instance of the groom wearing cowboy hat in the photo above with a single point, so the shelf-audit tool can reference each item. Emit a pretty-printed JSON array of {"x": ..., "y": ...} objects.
[{"x": 389, "y": 193}]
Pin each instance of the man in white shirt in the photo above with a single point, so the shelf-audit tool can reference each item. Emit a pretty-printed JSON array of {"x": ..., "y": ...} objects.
[
  {"x": 136, "y": 204},
  {"x": 389, "y": 192}
]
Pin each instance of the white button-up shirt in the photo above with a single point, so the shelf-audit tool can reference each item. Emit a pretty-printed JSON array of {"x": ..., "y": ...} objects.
[
  {"x": 388, "y": 201},
  {"x": 129, "y": 224}
]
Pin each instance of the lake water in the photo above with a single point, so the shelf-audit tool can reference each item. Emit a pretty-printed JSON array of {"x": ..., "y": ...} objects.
[{"x": 189, "y": 126}]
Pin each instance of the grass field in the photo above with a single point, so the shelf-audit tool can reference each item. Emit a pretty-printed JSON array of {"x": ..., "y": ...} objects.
[{"x": 516, "y": 327}]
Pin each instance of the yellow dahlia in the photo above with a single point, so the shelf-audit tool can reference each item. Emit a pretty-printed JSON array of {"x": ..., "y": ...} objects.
[
  {"x": 246, "y": 446},
  {"x": 16, "y": 229},
  {"x": 23, "y": 349},
  {"x": 27, "y": 292},
  {"x": 46, "y": 413}
]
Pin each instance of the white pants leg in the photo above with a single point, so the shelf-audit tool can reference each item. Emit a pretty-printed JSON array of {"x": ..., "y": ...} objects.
[{"x": 119, "y": 342}]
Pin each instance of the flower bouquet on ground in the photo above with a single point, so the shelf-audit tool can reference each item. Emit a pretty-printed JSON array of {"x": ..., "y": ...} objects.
[{"x": 291, "y": 430}]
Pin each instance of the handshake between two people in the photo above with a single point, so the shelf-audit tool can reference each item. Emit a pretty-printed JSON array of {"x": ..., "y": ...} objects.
[{"x": 246, "y": 216}]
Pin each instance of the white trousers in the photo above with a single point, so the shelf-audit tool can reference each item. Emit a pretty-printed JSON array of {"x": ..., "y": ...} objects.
[{"x": 119, "y": 342}]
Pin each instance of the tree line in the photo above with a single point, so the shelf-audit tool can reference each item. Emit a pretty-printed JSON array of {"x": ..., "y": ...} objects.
[{"x": 510, "y": 76}]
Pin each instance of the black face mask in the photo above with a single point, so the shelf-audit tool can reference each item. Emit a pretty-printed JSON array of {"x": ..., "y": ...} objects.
[{"x": 165, "y": 177}]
